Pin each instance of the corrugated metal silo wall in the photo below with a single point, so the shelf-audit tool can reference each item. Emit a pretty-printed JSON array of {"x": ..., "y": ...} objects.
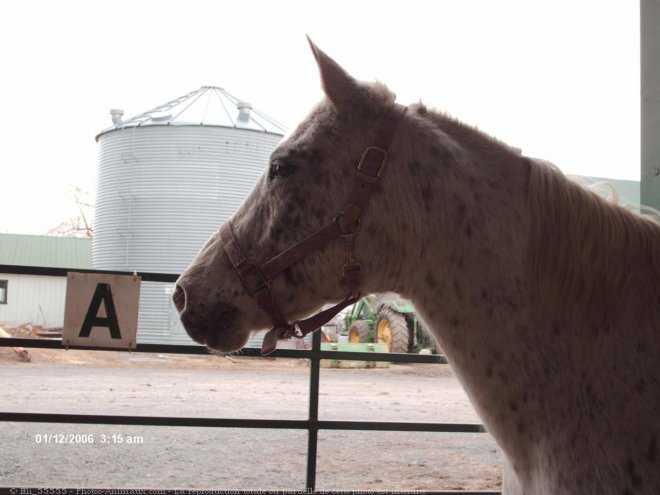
[{"x": 162, "y": 191}]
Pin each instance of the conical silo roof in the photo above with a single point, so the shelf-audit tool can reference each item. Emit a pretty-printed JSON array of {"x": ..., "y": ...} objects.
[{"x": 208, "y": 106}]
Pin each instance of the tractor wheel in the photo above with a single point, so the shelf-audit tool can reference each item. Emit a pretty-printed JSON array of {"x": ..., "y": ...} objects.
[
  {"x": 359, "y": 332},
  {"x": 392, "y": 329}
]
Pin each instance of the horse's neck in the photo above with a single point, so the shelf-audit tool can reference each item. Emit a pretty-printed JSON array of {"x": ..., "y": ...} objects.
[
  {"x": 475, "y": 291},
  {"x": 474, "y": 235},
  {"x": 468, "y": 274}
]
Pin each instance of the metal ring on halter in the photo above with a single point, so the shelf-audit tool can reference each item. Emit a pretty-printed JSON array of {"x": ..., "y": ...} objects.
[
  {"x": 297, "y": 331},
  {"x": 357, "y": 223}
]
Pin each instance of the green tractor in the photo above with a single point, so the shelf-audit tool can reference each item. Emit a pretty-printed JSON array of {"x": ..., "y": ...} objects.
[{"x": 390, "y": 321}]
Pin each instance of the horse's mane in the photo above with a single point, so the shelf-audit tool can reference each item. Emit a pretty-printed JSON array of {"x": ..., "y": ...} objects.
[{"x": 587, "y": 256}]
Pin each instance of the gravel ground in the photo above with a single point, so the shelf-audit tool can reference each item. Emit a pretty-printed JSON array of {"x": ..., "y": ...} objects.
[{"x": 96, "y": 382}]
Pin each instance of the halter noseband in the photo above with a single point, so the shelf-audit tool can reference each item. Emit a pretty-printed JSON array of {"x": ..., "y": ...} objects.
[{"x": 256, "y": 278}]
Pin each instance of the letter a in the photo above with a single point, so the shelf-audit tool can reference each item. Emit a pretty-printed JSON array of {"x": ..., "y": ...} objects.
[{"x": 102, "y": 294}]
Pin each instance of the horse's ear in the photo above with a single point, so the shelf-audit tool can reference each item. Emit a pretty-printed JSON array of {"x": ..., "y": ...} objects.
[{"x": 337, "y": 84}]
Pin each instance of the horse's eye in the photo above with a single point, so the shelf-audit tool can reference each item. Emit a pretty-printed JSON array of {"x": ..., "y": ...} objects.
[{"x": 281, "y": 169}]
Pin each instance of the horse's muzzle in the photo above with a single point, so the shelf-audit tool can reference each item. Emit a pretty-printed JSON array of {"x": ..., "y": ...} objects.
[{"x": 213, "y": 325}]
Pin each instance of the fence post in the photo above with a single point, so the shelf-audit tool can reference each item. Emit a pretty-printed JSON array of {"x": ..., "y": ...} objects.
[{"x": 313, "y": 430}]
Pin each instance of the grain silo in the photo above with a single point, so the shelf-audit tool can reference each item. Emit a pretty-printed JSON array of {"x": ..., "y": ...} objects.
[{"x": 167, "y": 179}]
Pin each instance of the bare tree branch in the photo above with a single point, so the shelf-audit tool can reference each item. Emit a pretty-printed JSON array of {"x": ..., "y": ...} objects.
[{"x": 80, "y": 225}]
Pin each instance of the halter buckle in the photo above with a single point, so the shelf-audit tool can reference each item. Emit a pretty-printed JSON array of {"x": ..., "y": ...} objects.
[
  {"x": 371, "y": 164},
  {"x": 351, "y": 269}
]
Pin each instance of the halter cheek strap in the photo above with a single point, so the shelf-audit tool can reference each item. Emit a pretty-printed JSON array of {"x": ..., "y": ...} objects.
[{"x": 256, "y": 279}]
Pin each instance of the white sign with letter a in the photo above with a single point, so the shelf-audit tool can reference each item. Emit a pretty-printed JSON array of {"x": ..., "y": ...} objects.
[{"x": 101, "y": 310}]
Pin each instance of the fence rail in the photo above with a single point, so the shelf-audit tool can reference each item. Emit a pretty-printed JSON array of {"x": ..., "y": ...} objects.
[{"x": 312, "y": 424}]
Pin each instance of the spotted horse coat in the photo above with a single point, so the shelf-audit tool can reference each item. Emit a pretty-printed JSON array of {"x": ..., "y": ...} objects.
[{"x": 544, "y": 297}]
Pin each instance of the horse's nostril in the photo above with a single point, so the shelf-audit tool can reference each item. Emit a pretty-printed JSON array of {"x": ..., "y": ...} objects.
[{"x": 179, "y": 298}]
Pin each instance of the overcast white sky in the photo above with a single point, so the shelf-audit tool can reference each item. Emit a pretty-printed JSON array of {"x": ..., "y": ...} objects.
[{"x": 557, "y": 78}]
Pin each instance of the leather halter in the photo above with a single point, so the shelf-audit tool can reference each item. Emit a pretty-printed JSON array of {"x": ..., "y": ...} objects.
[{"x": 256, "y": 279}]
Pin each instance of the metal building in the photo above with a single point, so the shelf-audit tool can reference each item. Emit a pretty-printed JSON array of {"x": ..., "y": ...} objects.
[
  {"x": 38, "y": 299},
  {"x": 168, "y": 178}
]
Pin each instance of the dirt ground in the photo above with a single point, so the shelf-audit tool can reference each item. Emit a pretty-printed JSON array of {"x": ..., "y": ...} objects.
[{"x": 94, "y": 382}]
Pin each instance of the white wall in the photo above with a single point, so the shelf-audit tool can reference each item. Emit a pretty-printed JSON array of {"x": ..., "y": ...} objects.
[{"x": 33, "y": 299}]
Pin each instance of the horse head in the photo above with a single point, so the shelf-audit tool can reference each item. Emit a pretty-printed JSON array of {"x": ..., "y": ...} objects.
[{"x": 303, "y": 189}]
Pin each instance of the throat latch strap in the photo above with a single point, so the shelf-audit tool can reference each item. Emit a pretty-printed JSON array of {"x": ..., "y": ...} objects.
[{"x": 301, "y": 328}]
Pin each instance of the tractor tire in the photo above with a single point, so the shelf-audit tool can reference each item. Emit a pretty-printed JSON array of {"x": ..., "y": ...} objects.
[
  {"x": 359, "y": 332},
  {"x": 392, "y": 329}
]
